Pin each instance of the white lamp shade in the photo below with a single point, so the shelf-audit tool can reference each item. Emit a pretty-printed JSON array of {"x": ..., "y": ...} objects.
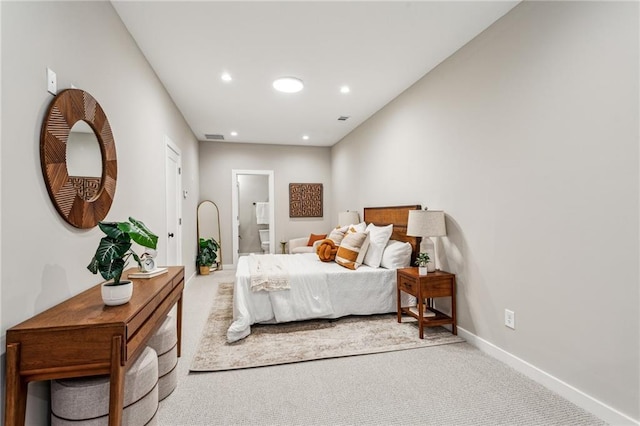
[
  {"x": 426, "y": 223},
  {"x": 348, "y": 218}
]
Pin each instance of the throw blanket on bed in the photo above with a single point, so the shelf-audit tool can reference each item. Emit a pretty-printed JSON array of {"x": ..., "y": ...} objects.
[{"x": 267, "y": 273}]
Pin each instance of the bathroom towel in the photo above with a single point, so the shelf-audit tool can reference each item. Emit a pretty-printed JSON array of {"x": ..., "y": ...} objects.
[{"x": 262, "y": 213}]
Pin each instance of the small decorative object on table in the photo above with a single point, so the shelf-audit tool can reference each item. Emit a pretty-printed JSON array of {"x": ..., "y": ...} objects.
[
  {"x": 207, "y": 254},
  {"x": 283, "y": 245},
  {"x": 150, "y": 274},
  {"x": 113, "y": 253},
  {"x": 421, "y": 262},
  {"x": 148, "y": 261}
]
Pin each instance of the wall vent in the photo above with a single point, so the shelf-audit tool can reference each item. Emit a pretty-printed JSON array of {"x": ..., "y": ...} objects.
[
  {"x": 343, "y": 118},
  {"x": 214, "y": 137}
]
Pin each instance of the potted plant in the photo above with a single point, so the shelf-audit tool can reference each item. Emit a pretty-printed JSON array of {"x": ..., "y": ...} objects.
[
  {"x": 207, "y": 254},
  {"x": 421, "y": 261},
  {"x": 113, "y": 253}
]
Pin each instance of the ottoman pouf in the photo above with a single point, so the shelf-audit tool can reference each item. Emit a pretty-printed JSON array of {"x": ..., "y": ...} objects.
[
  {"x": 85, "y": 401},
  {"x": 165, "y": 343}
]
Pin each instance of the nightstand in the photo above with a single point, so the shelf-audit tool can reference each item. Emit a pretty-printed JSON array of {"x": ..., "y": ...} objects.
[{"x": 434, "y": 284}]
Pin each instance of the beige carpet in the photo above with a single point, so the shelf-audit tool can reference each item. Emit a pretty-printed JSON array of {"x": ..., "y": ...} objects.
[{"x": 305, "y": 340}]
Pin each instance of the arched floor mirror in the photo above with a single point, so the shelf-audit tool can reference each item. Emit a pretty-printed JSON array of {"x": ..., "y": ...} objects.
[{"x": 209, "y": 227}]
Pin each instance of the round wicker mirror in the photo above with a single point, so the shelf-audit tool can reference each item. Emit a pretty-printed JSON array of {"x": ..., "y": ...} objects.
[{"x": 83, "y": 201}]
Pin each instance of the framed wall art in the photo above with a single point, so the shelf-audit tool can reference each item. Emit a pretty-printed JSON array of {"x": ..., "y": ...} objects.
[{"x": 305, "y": 200}]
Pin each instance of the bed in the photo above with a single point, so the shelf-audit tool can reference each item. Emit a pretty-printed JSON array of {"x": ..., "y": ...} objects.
[{"x": 321, "y": 289}]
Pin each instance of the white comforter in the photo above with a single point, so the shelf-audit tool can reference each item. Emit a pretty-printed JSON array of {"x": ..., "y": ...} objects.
[{"x": 318, "y": 290}]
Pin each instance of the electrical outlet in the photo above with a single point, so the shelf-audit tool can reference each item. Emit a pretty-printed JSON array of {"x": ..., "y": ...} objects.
[
  {"x": 510, "y": 319},
  {"x": 52, "y": 82}
]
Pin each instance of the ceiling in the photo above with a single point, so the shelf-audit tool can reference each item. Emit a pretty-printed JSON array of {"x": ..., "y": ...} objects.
[{"x": 377, "y": 49}]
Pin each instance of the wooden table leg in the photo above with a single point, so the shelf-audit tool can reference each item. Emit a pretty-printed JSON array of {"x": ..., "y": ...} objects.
[
  {"x": 420, "y": 314},
  {"x": 454, "y": 326},
  {"x": 179, "y": 324},
  {"x": 15, "y": 404},
  {"x": 399, "y": 305},
  {"x": 116, "y": 384}
]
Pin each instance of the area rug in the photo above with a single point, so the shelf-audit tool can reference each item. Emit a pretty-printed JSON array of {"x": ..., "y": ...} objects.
[{"x": 305, "y": 340}]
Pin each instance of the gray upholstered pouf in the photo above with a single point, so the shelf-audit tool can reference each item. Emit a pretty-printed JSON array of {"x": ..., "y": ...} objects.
[
  {"x": 85, "y": 401},
  {"x": 165, "y": 343},
  {"x": 168, "y": 371}
]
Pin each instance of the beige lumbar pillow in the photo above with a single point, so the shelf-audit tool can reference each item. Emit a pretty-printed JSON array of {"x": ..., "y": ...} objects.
[{"x": 337, "y": 234}]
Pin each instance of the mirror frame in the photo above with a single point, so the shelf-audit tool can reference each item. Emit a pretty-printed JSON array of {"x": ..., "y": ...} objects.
[
  {"x": 219, "y": 261},
  {"x": 67, "y": 108}
]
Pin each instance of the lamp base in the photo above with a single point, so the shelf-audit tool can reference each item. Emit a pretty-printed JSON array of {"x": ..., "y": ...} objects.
[{"x": 428, "y": 247}]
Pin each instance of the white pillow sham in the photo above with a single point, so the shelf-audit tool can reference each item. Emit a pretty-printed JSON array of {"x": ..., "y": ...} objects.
[
  {"x": 378, "y": 239},
  {"x": 396, "y": 255},
  {"x": 359, "y": 227}
]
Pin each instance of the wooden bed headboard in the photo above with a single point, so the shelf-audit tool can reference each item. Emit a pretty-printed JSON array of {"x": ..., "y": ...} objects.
[{"x": 398, "y": 216}]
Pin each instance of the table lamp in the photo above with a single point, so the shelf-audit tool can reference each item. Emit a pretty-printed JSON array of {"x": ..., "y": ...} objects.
[
  {"x": 348, "y": 218},
  {"x": 427, "y": 224}
]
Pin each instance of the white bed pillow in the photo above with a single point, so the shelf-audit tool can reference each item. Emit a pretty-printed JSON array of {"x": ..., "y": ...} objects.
[
  {"x": 359, "y": 227},
  {"x": 396, "y": 255},
  {"x": 378, "y": 239}
]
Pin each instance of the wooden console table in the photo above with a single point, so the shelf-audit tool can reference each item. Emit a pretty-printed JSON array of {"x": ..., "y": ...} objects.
[{"x": 83, "y": 337}]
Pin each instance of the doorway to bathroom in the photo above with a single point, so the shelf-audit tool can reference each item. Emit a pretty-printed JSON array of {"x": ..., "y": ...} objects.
[{"x": 252, "y": 212}]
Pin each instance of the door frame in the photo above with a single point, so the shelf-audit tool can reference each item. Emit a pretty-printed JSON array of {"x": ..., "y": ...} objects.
[
  {"x": 172, "y": 147},
  {"x": 235, "y": 220}
]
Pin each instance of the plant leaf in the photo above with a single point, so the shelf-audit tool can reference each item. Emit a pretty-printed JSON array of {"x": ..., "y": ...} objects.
[
  {"x": 112, "y": 270},
  {"x": 93, "y": 266},
  {"x": 113, "y": 230},
  {"x": 141, "y": 234},
  {"x": 110, "y": 248},
  {"x": 137, "y": 258}
]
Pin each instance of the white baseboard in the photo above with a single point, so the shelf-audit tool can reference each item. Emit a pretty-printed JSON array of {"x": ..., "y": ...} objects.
[
  {"x": 188, "y": 280},
  {"x": 576, "y": 396}
]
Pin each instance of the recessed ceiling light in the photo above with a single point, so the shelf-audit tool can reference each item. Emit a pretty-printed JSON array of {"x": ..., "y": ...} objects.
[
  {"x": 305, "y": 137},
  {"x": 345, "y": 89},
  {"x": 288, "y": 84},
  {"x": 234, "y": 133},
  {"x": 226, "y": 77}
]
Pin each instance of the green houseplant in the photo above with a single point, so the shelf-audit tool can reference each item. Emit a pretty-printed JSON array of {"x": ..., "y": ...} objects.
[
  {"x": 114, "y": 251},
  {"x": 421, "y": 262},
  {"x": 207, "y": 254}
]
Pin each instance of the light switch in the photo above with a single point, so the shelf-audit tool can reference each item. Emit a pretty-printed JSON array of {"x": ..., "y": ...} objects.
[{"x": 52, "y": 82}]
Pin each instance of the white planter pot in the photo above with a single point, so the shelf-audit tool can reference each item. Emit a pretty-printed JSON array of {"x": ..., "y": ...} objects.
[
  {"x": 422, "y": 270},
  {"x": 114, "y": 295}
]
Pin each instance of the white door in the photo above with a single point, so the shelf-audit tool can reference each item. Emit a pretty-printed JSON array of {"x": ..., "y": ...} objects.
[{"x": 174, "y": 204}]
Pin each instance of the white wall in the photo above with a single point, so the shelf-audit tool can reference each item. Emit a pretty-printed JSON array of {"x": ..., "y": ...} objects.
[
  {"x": 528, "y": 139},
  {"x": 43, "y": 258},
  {"x": 291, "y": 164}
]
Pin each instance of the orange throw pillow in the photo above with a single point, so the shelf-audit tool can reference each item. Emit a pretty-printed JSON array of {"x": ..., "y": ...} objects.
[
  {"x": 326, "y": 250},
  {"x": 313, "y": 238}
]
